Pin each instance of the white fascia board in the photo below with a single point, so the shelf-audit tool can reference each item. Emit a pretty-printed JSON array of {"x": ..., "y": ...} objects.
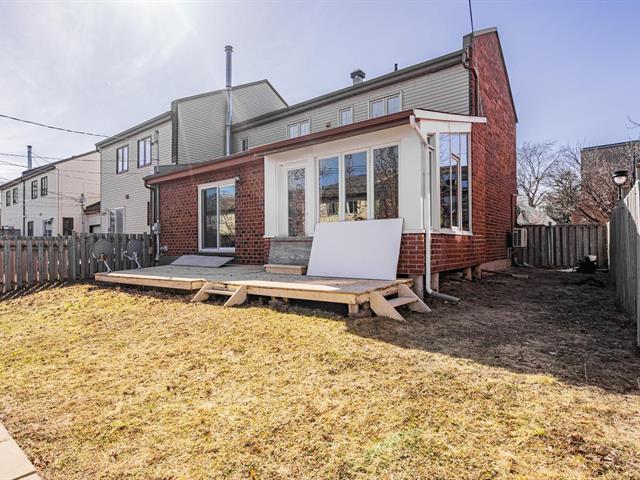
[{"x": 447, "y": 117}]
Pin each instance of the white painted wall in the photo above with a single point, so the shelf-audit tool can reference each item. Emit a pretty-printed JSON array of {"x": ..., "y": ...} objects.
[
  {"x": 66, "y": 182},
  {"x": 409, "y": 177}
]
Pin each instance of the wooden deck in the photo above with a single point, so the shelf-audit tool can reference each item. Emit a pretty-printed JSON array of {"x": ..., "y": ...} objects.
[{"x": 257, "y": 282}]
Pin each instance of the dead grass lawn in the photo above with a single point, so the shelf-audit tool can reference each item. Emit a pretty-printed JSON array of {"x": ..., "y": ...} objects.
[{"x": 106, "y": 383}]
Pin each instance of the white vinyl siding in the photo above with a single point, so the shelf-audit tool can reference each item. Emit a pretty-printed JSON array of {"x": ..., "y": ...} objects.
[
  {"x": 127, "y": 190},
  {"x": 446, "y": 90}
]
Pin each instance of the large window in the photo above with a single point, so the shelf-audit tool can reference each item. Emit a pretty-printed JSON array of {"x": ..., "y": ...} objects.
[
  {"x": 454, "y": 181},
  {"x": 44, "y": 186},
  {"x": 34, "y": 189},
  {"x": 15, "y": 195},
  {"x": 298, "y": 129},
  {"x": 346, "y": 191},
  {"x": 217, "y": 216},
  {"x": 122, "y": 159},
  {"x": 116, "y": 220},
  {"x": 144, "y": 152},
  {"x": 385, "y": 182},
  {"x": 384, "y": 106},
  {"x": 355, "y": 181},
  {"x": 329, "y": 178},
  {"x": 296, "y": 202}
]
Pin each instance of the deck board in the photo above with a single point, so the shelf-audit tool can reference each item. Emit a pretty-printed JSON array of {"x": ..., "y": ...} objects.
[{"x": 257, "y": 281}]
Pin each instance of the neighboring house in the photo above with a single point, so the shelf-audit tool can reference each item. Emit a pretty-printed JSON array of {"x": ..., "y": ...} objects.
[
  {"x": 92, "y": 218},
  {"x": 192, "y": 131},
  {"x": 361, "y": 153},
  {"x": 598, "y": 163},
  {"x": 48, "y": 200}
]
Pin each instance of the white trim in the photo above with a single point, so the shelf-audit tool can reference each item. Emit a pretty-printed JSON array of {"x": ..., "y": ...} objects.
[
  {"x": 205, "y": 186},
  {"x": 384, "y": 98},
  {"x": 446, "y": 117},
  {"x": 299, "y": 122}
]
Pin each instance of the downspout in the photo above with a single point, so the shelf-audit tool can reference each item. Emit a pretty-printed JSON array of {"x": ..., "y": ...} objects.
[
  {"x": 227, "y": 133},
  {"x": 427, "y": 219}
]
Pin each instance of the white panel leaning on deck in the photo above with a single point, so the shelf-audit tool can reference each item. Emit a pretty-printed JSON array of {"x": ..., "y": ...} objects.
[
  {"x": 210, "y": 261},
  {"x": 366, "y": 249}
]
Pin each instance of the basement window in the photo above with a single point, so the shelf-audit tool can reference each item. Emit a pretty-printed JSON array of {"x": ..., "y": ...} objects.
[
  {"x": 454, "y": 178},
  {"x": 299, "y": 129}
]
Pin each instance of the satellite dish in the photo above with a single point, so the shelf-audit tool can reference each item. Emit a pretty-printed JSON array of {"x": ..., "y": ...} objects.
[
  {"x": 103, "y": 251},
  {"x": 134, "y": 251}
]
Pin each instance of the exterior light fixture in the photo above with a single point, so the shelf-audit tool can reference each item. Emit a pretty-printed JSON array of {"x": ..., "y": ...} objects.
[{"x": 619, "y": 179}]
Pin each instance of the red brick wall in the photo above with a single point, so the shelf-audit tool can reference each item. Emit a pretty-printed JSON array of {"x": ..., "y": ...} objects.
[
  {"x": 179, "y": 212},
  {"x": 411, "y": 254},
  {"x": 493, "y": 170}
]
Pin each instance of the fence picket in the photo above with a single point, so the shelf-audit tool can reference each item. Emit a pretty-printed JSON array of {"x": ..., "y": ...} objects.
[
  {"x": 30, "y": 280},
  {"x": 6, "y": 255}
]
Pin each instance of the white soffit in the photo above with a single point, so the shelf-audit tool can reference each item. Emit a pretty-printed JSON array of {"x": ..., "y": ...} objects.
[
  {"x": 201, "y": 261},
  {"x": 364, "y": 249}
]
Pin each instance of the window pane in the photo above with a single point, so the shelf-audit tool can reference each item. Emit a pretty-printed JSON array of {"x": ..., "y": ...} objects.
[
  {"x": 455, "y": 163},
  {"x": 294, "y": 130},
  {"x": 355, "y": 182},
  {"x": 346, "y": 116},
  {"x": 445, "y": 182},
  {"x": 329, "y": 191},
  {"x": 304, "y": 128},
  {"x": 210, "y": 218},
  {"x": 227, "y": 199},
  {"x": 385, "y": 182},
  {"x": 464, "y": 180},
  {"x": 296, "y": 200},
  {"x": 393, "y": 104},
  {"x": 377, "y": 108}
]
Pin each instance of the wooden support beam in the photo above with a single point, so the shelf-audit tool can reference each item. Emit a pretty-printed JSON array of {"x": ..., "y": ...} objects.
[
  {"x": 383, "y": 308},
  {"x": 238, "y": 297}
]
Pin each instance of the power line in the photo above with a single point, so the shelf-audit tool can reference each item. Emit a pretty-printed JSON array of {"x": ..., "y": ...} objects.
[
  {"x": 26, "y": 156},
  {"x": 68, "y": 130}
]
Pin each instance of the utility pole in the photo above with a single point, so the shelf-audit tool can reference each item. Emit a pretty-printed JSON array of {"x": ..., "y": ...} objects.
[{"x": 24, "y": 193}]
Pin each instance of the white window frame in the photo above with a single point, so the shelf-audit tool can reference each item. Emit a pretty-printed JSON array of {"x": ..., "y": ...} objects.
[
  {"x": 205, "y": 186},
  {"x": 435, "y": 213},
  {"x": 384, "y": 99},
  {"x": 342, "y": 194},
  {"x": 118, "y": 171},
  {"x": 14, "y": 194},
  {"x": 242, "y": 144},
  {"x": 298, "y": 123},
  {"x": 149, "y": 161},
  {"x": 340, "y": 110},
  {"x": 44, "y": 186},
  {"x": 286, "y": 168},
  {"x": 34, "y": 192}
]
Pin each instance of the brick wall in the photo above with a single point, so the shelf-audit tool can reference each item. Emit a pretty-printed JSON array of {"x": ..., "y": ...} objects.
[
  {"x": 179, "y": 211},
  {"x": 493, "y": 170},
  {"x": 411, "y": 254}
]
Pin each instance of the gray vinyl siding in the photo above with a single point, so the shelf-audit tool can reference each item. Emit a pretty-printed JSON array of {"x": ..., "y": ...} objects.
[
  {"x": 445, "y": 90},
  {"x": 116, "y": 186},
  {"x": 201, "y": 120}
]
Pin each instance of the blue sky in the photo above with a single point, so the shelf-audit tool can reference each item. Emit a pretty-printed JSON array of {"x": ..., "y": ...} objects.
[{"x": 103, "y": 67}]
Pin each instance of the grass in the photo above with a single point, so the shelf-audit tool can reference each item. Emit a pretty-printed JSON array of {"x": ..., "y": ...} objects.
[{"x": 108, "y": 383}]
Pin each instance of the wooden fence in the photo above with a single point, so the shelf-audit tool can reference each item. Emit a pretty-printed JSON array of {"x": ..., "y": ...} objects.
[
  {"x": 624, "y": 238},
  {"x": 562, "y": 246},
  {"x": 28, "y": 261}
]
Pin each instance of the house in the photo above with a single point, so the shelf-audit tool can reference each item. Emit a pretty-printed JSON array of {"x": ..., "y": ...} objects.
[
  {"x": 92, "y": 218},
  {"x": 433, "y": 143},
  {"x": 48, "y": 200},
  {"x": 192, "y": 131},
  {"x": 599, "y": 195}
]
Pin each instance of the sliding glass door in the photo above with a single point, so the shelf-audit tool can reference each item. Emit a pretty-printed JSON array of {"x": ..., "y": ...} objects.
[{"x": 217, "y": 222}]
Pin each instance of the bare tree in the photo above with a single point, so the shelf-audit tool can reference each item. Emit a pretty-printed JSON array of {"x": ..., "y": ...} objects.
[{"x": 536, "y": 163}]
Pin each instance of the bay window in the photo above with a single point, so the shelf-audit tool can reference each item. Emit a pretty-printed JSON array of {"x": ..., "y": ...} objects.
[{"x": 454, "y": 179}]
